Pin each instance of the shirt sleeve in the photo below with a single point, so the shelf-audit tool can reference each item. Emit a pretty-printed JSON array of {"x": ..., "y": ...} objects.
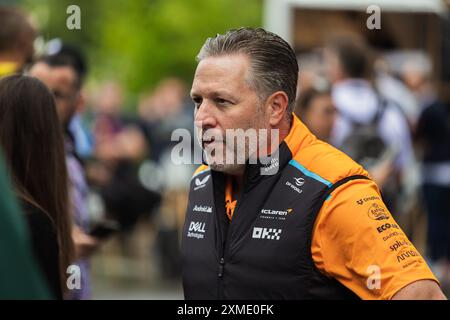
[{"x": 357, "y": 242}]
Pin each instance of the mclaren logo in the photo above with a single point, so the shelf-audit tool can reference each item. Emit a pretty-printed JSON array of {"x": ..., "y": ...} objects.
[
  {"x": 266, "y": 233},
  {"x": 274, "y": 212},
  {"x": 201, "y": 183}
]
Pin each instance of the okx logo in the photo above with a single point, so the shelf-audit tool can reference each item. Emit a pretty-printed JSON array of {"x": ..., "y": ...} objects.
[{"x": 266, "y": 233}]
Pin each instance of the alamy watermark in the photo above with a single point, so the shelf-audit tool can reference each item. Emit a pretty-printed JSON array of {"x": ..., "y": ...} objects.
[
  {"x": 374, "y": 20},
  {"x": 73, "y": 21},
  {"x": 73, "y": 281},
  {"x": 232, "y": 148},
  {"x": 374, "y": 278}
]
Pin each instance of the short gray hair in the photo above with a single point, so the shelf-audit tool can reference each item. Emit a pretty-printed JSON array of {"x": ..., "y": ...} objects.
[{"x": 274, "y": 66}]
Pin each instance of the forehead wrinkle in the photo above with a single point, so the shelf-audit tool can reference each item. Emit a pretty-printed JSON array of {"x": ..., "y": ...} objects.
[{"x": 212, "y": 76}]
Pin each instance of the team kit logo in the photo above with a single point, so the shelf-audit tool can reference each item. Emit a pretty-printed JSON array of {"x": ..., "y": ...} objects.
[
  {"x": 275, "y": 214},
  {"x": 266, "y": 233},
  {"x": 199, "y": 184},
  {"x": 366, "y": 199},
  {"x": 196, "y": 230},
  {"x": 298, "y": 182},
  {"x": 399, "y": 244},
  {"x": 408, "y": 254},
  {"x": 377, "y": 212},
  {"x": 387, "y": 226},
  {"x": 206, "y": 209}
]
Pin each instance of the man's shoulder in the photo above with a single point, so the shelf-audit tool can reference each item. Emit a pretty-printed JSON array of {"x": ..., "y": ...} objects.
[{"x": 327, "y": 162}]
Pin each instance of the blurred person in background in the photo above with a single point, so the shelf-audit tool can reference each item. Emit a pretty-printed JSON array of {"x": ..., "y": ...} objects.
[
  {"x": 163, "y": 111},
  {"x": 369, "y": 128},
  {"x": 61, "y": 74},
  {"x": 82, "y": 137},
  {"x": 416, "y": 74},
  {"x": 390, "y": 85},
  {"x": 120, "y": 147},
  {"x": 433, "y": 138},
  {"x": 317, "y": 111},
  {"x": 32, "y": 140},
  {"x": 17, "y": 35},
  {"x": 21, "y": 278}
]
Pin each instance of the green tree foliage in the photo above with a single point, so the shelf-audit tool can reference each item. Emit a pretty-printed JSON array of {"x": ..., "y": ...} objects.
[{"x": 141, "y": 41}]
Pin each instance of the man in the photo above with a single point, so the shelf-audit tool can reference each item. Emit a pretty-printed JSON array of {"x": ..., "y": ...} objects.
[
  {"x": 360, "y": 108},
  {"x": 16, "y": 40},
  {"x": 317, "y": 111},
  {"x": 63, "y": 75},
  {"x": 314, "y": 229}
]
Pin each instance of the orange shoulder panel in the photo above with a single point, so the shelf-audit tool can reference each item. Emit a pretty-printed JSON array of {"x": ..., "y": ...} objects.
[{"x": 319, "y": 157}]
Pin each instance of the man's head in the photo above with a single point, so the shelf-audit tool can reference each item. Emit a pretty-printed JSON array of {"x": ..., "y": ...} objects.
[
  {"x": 17, "y": 36},
  {"x": 245, "y": 79},
  {"x": 61, "y": 74},
  {"x": 346, "y": 57},
  {"x": 317, "y": 111}
]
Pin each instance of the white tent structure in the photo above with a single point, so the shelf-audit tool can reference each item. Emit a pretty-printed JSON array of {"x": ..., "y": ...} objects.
[
  {"x": 278, "y": 14},
  {"x": 405, "y": 25}
]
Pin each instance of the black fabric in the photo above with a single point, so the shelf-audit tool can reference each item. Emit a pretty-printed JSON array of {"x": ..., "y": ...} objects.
[
  {"x": 126, "y": 199},
  {"x": 433, "y": 129},
  {"x": 45, "y": 246},
  {"x": 437, "y": 203},
  {"x": 265, "y": 251}
]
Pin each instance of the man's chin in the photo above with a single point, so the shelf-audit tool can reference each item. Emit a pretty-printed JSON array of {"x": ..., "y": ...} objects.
[{"x": 233, "y": 169}]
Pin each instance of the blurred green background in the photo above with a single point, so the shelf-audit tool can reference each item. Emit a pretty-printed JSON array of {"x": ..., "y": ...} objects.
[{"x": 140, "y": 42}]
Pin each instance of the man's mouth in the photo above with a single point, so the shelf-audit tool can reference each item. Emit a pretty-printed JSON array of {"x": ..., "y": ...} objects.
[{"x": 208, "y": 142}]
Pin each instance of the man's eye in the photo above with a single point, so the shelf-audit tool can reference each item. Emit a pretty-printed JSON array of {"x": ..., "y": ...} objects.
[
  {"x": 221, "y": 101},
  {"x": 197, "y": 102},
  {"x": 57, "y": 94}
]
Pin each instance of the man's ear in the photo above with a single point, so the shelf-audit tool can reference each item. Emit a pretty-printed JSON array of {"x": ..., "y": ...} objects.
[{"x": 277, "y": 105}]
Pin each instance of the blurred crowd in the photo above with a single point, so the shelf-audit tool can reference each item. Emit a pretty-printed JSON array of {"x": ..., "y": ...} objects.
[
  {"x": 384, "y": 113},
  {"x": 383, "y": 110}
]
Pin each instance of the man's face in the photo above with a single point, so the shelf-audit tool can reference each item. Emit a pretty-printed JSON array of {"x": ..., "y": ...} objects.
[
  {"x": 333, "y": 68},
  {"x": 61, "y": 81},
  {"x": 320, "y": 116},
  {"x": 223, "y": 101}
]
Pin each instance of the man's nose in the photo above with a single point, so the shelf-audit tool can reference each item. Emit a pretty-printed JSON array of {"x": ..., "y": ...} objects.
[{"x": 204, "y": 116}]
